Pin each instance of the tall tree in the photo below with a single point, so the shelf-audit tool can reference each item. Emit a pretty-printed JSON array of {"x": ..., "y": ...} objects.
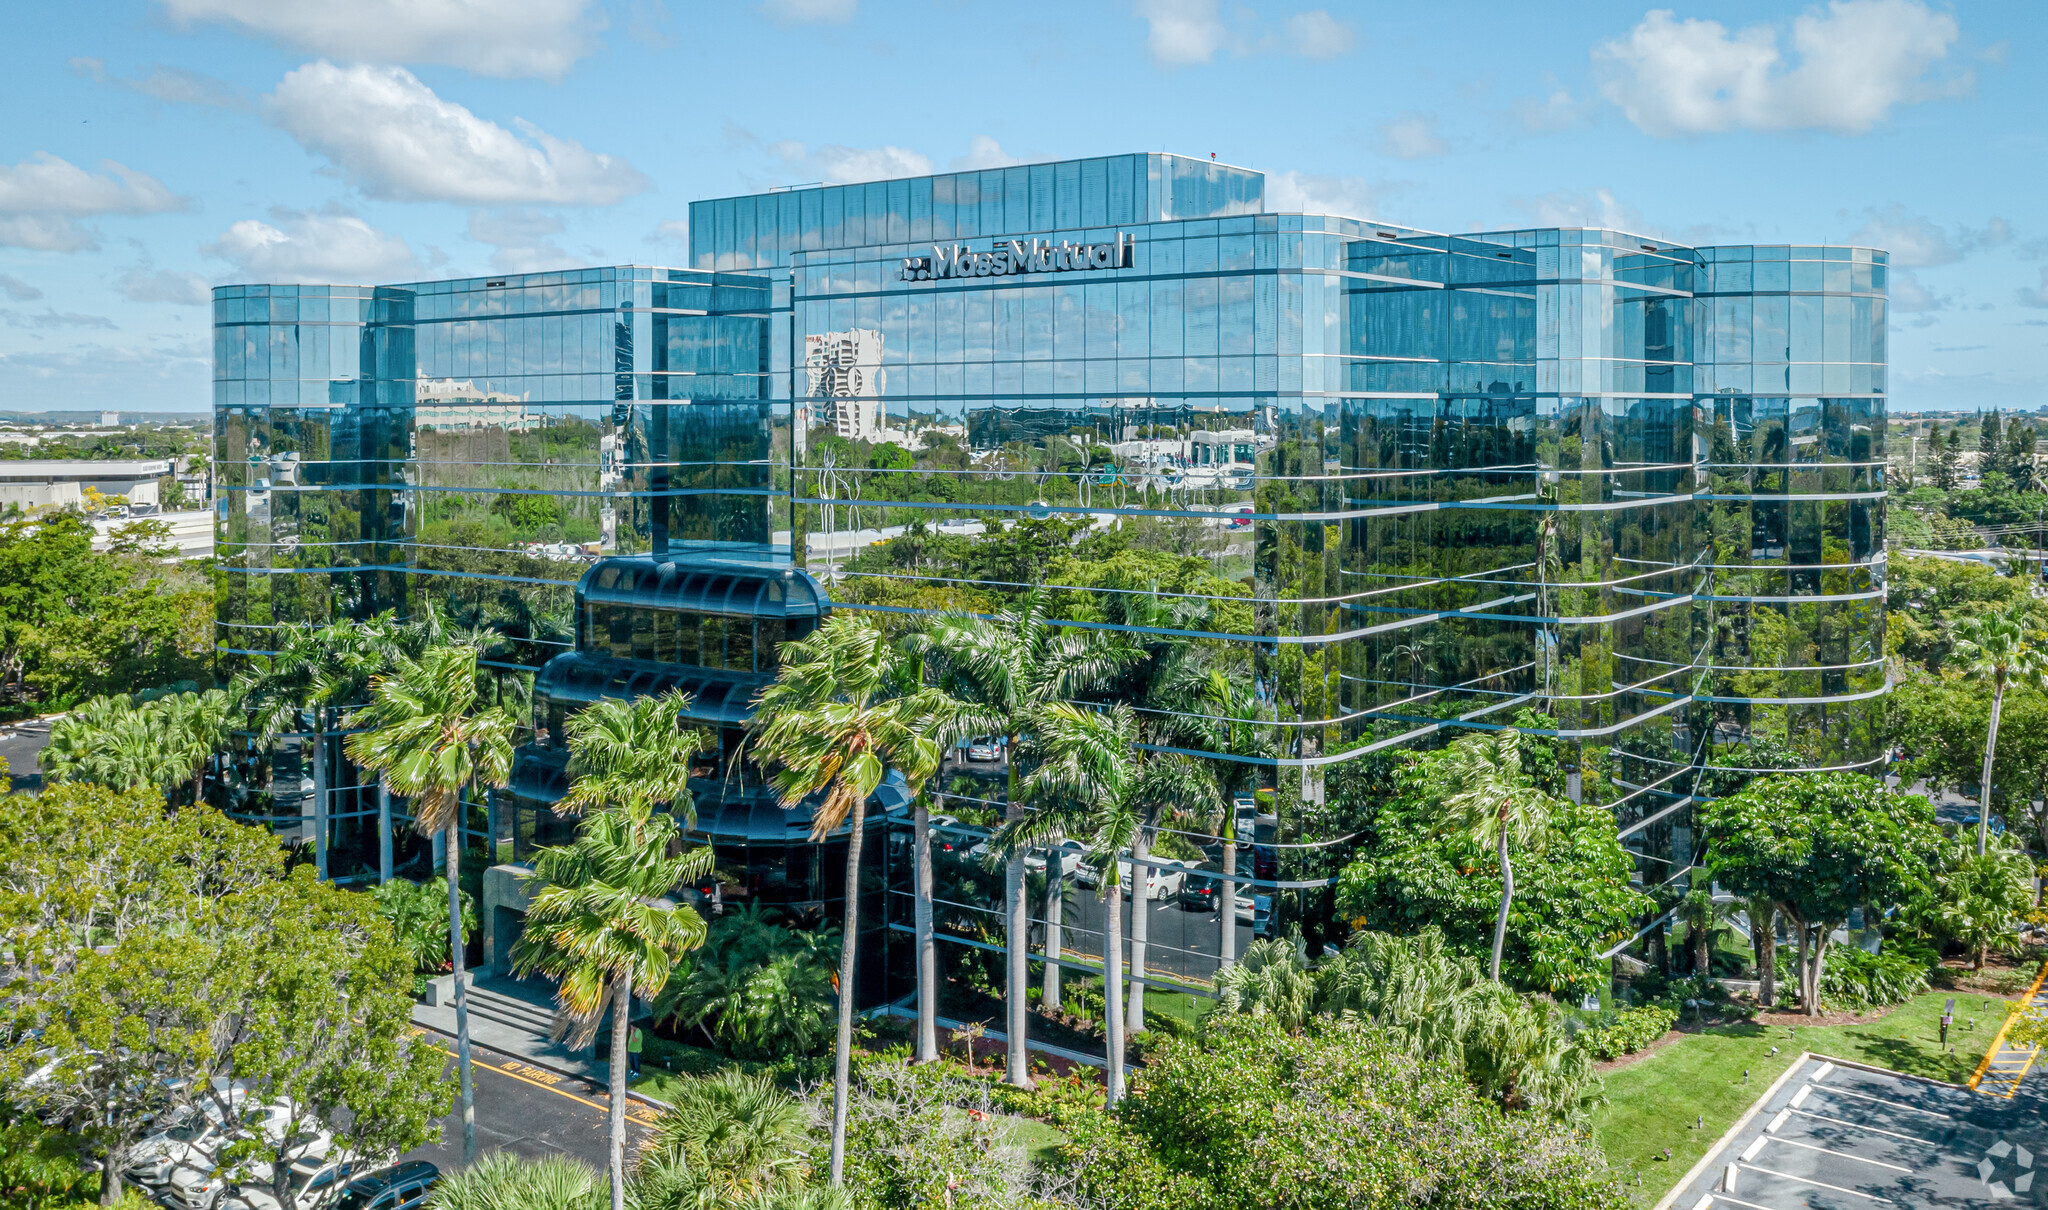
[
  {"x": 833, "y": 723},
  {"x": 1996, "y": 648},
  {"x": 1492, "y": 800},
  {"x": 199, "y": 726},
  {"x": 426, "y": 734},
  {"x": 1011, "y": 667},
  {"x": 1819, "y": 845},
  {"x": 1206, "y": 709},
  {"x": 1946, "y": 457},
  {"x": 1094, "y": 784},
  {"x": 315, "y": 671},
  {"x": 601, "y": 923}
]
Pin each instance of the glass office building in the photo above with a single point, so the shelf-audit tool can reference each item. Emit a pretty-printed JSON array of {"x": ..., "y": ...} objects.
[{"x": 1390, "y": 482}]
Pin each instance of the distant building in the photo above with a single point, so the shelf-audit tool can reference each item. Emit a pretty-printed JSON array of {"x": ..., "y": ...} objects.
[
  {"x": 844, "y": 370},
  {"x": 110, "y": 420},
  {"x": 61, "y": 482}
]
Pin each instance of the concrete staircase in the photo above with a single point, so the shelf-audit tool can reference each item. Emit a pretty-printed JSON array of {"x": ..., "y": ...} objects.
[{"x": 526, "y": 1010}]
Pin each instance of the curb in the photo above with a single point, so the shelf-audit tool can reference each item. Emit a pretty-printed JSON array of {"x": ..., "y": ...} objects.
[
  {"x": 558, "y": 1069},
  {"x": 1728, "y": 1136}
]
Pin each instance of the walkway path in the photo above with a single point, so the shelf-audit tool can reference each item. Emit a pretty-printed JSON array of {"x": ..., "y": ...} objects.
[{"x": 2007, "y": 1063}]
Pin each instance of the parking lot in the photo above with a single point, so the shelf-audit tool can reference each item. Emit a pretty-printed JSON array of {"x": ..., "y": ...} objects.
[{"x": 1833, "y": 1136}]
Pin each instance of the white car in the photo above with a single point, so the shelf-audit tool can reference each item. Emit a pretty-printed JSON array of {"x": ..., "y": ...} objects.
[
  {"x": 1070, "y": 854},
  {"x": 312, "y": 1180},
  {"x": 201, "y": 1185},
  {"x": 1163, "y": 876},
  {"x": 985, "y": 748},
  {"x": 187, "y": 1142}
]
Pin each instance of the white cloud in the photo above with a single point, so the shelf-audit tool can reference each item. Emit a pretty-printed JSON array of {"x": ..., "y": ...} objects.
[
  {"x": 396, "y": 139},
  {"x": 41, "y": 195},
  {"x": 1313, "y": 193},
  {"x": 835, "y": 164},
  {"x": 147, "y": 284},
  {"x": 1412, "y": 136},
  {"x": 17, "y": 289},
  {"x": 93, "y": 376},
  {"x": 305, "y": 247},
  {"x": 1909, "y": 296},
  {"x": 1315, "y": 34},
  {"x": 1917, "y": 242},
  {"x": 809, "y": 12},
  {"x": 1555, "y": 111},
  {"x": 489, "y": 37},
  {"x": 166, "y": 83},
  {"x": 520, "y": 239},
  {"x": 671, "y": 231},
  {"x": 1856, "y": 60},
  {"x": 984, "y": 152},
  {"x": 2035, "y": 296},
  {"x": 50, "y": 317},
  {"x": 1600, "y": 208},
  {"x": 1183, "y": 31}
]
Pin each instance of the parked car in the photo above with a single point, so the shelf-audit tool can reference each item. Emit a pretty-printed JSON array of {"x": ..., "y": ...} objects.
[
  {"x": 1163, "y": 876},
  {"x": 311, "y": 1182},
  {"x": 985, "y": 748},
  {"x": 186, "y": 1139},
  {"x": 1070, "y": 853},
  {"x": 1202, "y": 888},
  {"x": 401, "y": 1187},
  {"x": 197, "y": 1184},
  {"x": 943, "y": 839}
]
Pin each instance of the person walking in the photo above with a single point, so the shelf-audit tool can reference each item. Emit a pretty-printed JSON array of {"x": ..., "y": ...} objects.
[{"x": 633, "y": 1044}]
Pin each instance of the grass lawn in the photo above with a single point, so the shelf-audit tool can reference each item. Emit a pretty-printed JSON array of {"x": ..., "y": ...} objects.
[
  {"x": 1654, "y": 1102},
  {"x": 1038, "y": 1139}
]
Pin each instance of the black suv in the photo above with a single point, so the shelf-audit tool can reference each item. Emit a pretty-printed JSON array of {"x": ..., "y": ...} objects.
[{"x": 401, "y": 1187}]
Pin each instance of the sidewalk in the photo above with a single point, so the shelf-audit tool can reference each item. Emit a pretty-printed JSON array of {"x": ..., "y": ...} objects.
[{"x": 507, "y": 1039}]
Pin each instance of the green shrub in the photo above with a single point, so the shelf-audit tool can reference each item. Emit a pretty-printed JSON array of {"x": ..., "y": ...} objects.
[
  {"x": 1857, "y": 980},
  {"x": 1628, "y": 1031}
]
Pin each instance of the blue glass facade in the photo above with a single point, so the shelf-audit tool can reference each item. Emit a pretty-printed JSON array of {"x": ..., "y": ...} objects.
[{"x": 1382, "y": 478}]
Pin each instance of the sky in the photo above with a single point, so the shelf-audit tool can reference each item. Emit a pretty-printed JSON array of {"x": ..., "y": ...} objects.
[{"x": 152, "y": 149}]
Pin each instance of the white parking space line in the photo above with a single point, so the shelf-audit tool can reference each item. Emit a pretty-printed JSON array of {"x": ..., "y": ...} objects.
[
  {"x": 1821, "y": 1117},
  {"x": 1820, "y": 1075},
  {"x": 1864, "y": 1096},
  {"x": 1807, "y": 1180},
  {"x": 1799, "y": 1098},
  {"x": 1722, "y": 1199},
  {"x": 1843, "y": 1154}
]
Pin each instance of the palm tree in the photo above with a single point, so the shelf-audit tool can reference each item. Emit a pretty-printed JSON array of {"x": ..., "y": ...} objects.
[
  {"x": 1272, "y": 981},
  {"x": 1205, "y": 709},
  {"x": 602, "y": 925},
  {"x": 114, "y": 744},
  {"x": 731, "y": 1139},
  {"x": 1174, "y": 787},
  {"x": 200, "y": 725},
  {"x": 505, "y": 1181},
  {"x": 1699, "y": 913},
  {"x": 833, "y": 723},
  {"x": 1011, "y": 667},
  {"x": 1995, "y": 648},
  {"x": 425, "y": 734},
  {"x": 315, "y": 670},
  {"x": 1094, "y": 784},
  {"x": 1491, "y": 800}
]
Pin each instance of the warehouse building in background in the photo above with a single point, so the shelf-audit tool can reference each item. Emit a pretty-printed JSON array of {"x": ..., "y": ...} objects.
[{"x": 1596, "y": 485}]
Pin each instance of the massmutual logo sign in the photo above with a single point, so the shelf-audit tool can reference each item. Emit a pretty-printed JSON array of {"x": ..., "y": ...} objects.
[{"x": 1019, "y": 256}]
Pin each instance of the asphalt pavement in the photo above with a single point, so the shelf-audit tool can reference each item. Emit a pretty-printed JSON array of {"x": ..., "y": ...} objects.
[
  {"x": 533, "y": 1112},
  {"x": 1830, "y": 1136}
]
